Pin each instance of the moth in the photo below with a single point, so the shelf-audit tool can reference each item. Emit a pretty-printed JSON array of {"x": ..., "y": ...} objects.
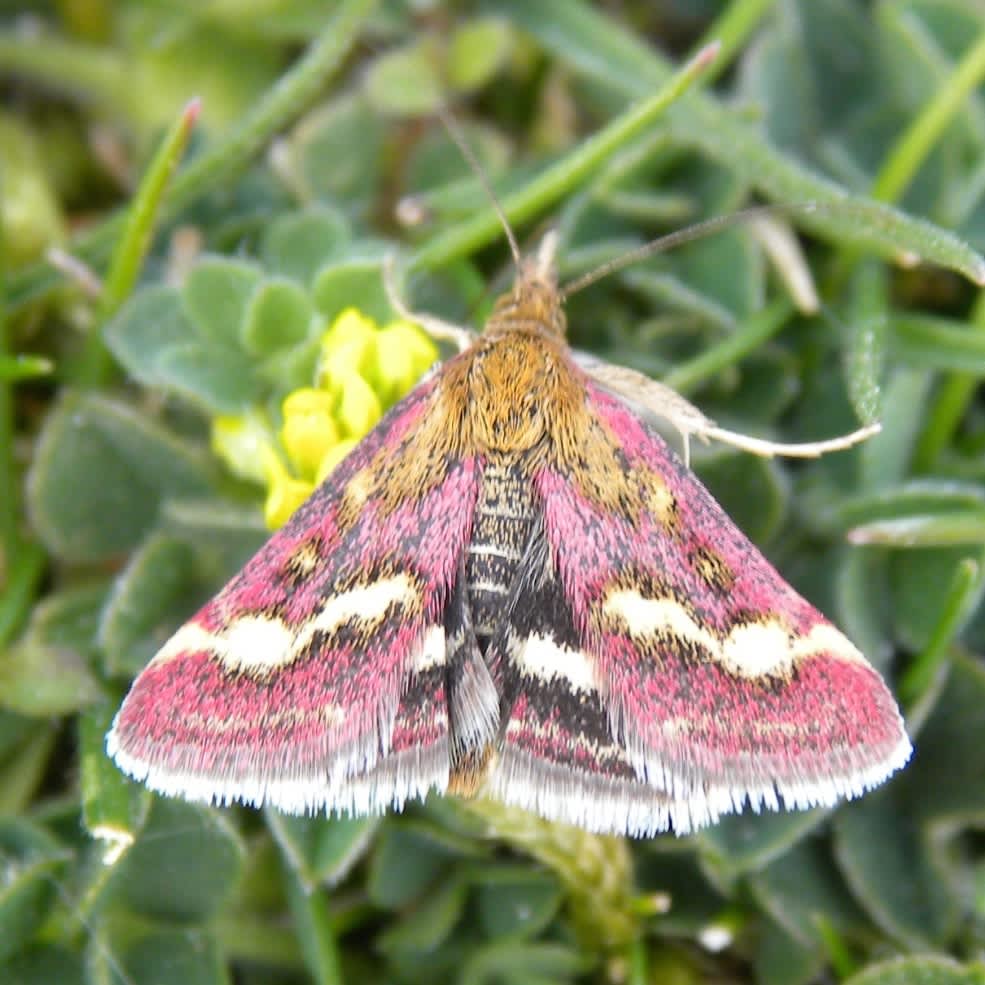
[{"x": 514, "y": 587}]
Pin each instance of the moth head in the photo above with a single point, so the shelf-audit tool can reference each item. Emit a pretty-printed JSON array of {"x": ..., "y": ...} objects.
[{"x": 534, "y": 303}]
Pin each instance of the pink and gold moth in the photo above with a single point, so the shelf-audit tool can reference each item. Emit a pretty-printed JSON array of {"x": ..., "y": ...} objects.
[{"x": 512, "y": 586}]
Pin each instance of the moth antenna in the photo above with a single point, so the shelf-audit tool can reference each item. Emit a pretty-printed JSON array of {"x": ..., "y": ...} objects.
[
  {"x": 688, "y": 234},
  {"x": 455, "y": 132},
  {"x": 439, "y": 329}
]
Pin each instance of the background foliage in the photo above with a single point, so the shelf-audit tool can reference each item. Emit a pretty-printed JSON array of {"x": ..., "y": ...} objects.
[{"x": 314, "y": 150}]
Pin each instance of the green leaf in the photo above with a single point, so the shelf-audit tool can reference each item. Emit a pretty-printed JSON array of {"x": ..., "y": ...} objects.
[
  {"x": 408, "y": 858},
  {"x": 701, "y": 264},
  {"x": 30, "y": 863},
  {"x": 112, "y": 807},
  {"x": 668, "y": 291},
  {"x": 47, "y": 671},
  {"x": 22, "y": 770},
  {"x": 321, "y": 850},
  {"x": 922, "y": 582},
  {"x": 885, "y": 459},
  {"x": 23, "y": 367},
  {"x": 477, "y": 50},
  {"x": 315, "y": 932},
  {"x": 45, "y": 680},
  {"x": 216, "y": 296},
  {"x": 931, "y": 342},
  {"x": 128, "y": 953},
  {"x": 158, "y": 590},
  {"x": 160, "y": 345},
  {"x": 100, "y": 475},
  {"x": 428, "y": 925},
  {"x": 747, "y": 842},
  {"x": 353, "y": 283},
  {"x": 591, "y": 43},
  {"x": 43, "y": 964},
  {"x": 924, "y": 530},
  {"x": 672, "y": 878},
  {"x": 407, "y": 81},
  {"x": 182, "y": 867},
  {"x": 943, "y": 783},
  {"x": 782, "y": 959},
  {"x": 912, "y": 497},
  {"x": 883, "y": 857},
  {"x": 862, "y": 603},
  {"x": 801, "y": 891},
  {"x": 142, "y": 214},
  {"x": 925, "y": 969},
  {"x": 279, "y": 316},
  {"x": 513, "y": 964},
  {"x": 297, "y": 244},
  {"x": 339, "y": 152},
  {"x": 515, "y": 901},
  {"x": 751, "y": 490},
  {"x": 868, "y": 326}
]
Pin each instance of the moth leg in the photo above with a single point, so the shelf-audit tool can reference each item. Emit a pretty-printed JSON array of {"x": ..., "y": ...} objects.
[
  {"x": 439, "y": 330},
  {"x": 807, "y": 449},
  {"x": 663, "y": 402}
]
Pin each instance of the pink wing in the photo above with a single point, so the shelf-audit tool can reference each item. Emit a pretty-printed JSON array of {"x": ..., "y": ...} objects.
[
  {"x": 317, "y": 677},
  {"x": 722, "y": 685}
]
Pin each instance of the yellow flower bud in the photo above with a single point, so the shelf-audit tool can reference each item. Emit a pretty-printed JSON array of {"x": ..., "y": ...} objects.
[
  {"x": 403, "y": 353},
  {"x": 284, "y": 493},
  {"x": 283, "y": 498},
  {"x": 359, "y": 408},
  {"x": 335, "y": 455},
  {"x": 349, "y": 346},
  {"x": 422, "y": 349},
  {"x": 309, "y": 429},
  {"x": 242, "y": 442}
]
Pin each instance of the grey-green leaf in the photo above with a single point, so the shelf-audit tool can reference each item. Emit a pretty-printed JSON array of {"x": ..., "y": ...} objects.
[{"x": 100, "y": 474}]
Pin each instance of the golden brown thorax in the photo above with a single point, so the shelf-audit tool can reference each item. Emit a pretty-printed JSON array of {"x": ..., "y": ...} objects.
[{"x": 517, "y": 391}]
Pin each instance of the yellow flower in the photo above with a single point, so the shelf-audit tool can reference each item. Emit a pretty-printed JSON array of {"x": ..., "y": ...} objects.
[
  {"x": 359, "y": 407},
  {"x": 347, "y": 348},
  {"x": 309, "y": 430},
  {"x": 403, "y": 354},
  {"x": 284, "y": 493},
  {"x": 362, "y": 369}
]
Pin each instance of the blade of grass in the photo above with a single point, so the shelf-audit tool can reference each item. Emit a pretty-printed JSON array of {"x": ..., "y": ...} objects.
[
  {"x": 931, "y": 342},
  {"x": 593, "y": 45},
  {"x": 950, "y": 404},
  {"x": 922, "y": 673},
  {"x": 732, "y": 29},
  {"x": 756, "y": 330},
  {"x": 98, "y": 73},
  {"x": 927, "y": 530},
  {"x": 25, "y": 568},
  {"x": 917, "y": 141},
  {"x": 134, "y": 242},
  {"x": 565, "y": 175},
  {"x": 23, "y": 367}
]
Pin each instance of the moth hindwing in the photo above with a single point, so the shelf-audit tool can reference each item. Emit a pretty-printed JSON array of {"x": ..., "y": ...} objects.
[{"x": 513, "y": 586}]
